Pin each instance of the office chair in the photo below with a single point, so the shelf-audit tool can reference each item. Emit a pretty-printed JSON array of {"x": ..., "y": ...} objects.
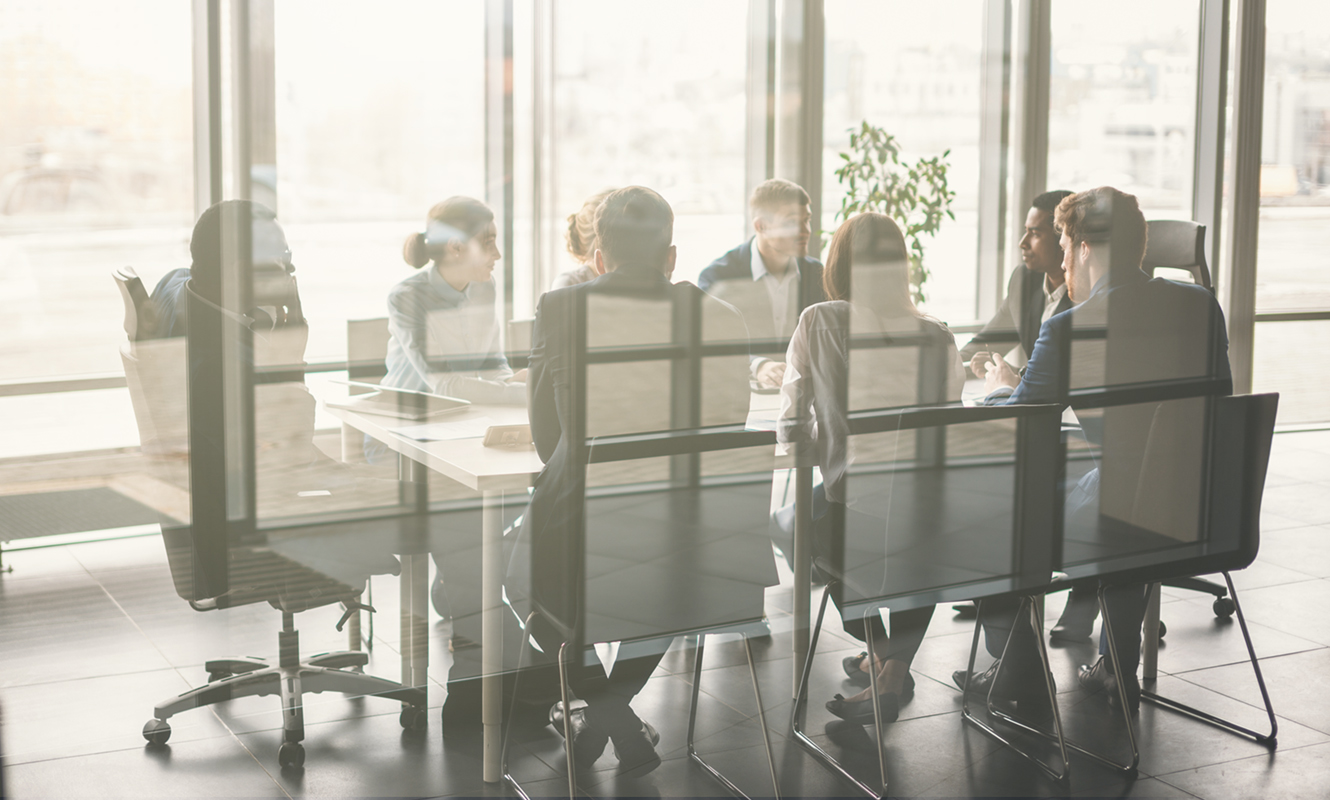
[
  {"x": 250, "y": 571},
  {"x": 1180, "y": 244},
  {"x": 257, "y": 574}
]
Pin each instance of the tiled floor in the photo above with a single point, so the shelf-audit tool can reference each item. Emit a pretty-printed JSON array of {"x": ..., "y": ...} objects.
[{"x": 94, "y": 635}]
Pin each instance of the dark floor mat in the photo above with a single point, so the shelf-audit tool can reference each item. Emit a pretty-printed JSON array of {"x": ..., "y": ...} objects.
[{"x": 26, "y": 515}]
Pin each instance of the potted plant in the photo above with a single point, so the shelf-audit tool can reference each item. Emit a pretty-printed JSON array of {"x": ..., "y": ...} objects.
[{"x": 915, "y": 195}]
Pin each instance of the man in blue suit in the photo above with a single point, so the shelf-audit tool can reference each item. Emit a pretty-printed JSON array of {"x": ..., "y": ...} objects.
[
  {"x": 1125, "y": 329},
  {"x": 770, "y": 279}
]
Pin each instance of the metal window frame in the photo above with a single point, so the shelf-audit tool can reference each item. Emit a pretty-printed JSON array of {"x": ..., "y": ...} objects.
[{"x": 994, "y": 148}]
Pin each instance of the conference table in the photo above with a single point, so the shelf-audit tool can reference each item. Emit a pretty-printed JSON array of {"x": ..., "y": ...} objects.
[{"x": 491, "y": 471}]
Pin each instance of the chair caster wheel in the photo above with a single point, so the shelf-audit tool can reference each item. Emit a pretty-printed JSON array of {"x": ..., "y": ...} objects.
[
  {"x": 156, "y": 731},
  {"x": 1163, "y": 629},
  {"x": 291, "y": 754},
  {"x": 1224, "y": 607},
  {"x": 414, "y": 718}
]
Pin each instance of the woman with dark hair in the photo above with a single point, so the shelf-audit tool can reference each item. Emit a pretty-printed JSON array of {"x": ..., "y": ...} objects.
[
  {"x": 444, "y": 335},
  {"x": 581, "y": 238},
  {"x": 866, "y": 278}
]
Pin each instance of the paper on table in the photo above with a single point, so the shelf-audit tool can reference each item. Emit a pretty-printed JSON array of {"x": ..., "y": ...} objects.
[{"x": 445, "y": 431}]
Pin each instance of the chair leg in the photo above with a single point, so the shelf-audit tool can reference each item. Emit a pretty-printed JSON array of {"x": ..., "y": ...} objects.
[
  {"x": 877, "y": 710},
  {"x": 1066, "y": 744},
  {"x": 1270, "y": 739},
  {"x": 1057, "y": 736},
  {"x": 700, "y": 642},
  {"x": 800, "y": 698}
]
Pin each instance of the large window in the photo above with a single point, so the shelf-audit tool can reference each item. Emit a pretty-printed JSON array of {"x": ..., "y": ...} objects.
[
  {"x": 647, "y": 93},
  {"x": 96, "y": 173},
  {"x": 1122, "y": 100},
  {"x": 914, "y": 69},
  {"x": 1293, "y": 269}
]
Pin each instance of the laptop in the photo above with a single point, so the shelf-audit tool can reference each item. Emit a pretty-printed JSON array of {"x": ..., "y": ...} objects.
[{"x": 399, "y": 403}]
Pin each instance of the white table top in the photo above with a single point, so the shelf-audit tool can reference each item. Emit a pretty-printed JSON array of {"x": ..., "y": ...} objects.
[{"x": 468, "y": 461}]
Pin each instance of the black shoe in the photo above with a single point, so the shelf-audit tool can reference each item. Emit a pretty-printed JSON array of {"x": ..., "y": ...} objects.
[
  {"x": 1099, "y": 677},
  {"x": 636, "y": 750},
  {"x": 1026, "y": 700},
  {"x": 980, "y": 683},
  {"x": 858, "y": 677},
  {"x": 966, "y": 610},
  {"x": 861, "y": 711},
  {"x": 1077, "y": 620},
  {"x": 588, "y": 741}
]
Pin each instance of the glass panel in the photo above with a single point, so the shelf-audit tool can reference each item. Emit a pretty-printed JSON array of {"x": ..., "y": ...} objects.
[
  {"x": 1122, "y": 101},
  {"x": 95, "y": 175},
  {"x": 645, "y": 95},
  {"x": 922, "y": 83},
  {"x": 1293, "y": 266}
]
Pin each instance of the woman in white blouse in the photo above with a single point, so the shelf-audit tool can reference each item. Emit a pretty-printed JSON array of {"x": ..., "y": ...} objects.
[{"x": 911, "y": 360}]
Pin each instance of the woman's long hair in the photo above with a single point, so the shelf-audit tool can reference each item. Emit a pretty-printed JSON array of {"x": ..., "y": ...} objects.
[{"x": 868, "y": 260}]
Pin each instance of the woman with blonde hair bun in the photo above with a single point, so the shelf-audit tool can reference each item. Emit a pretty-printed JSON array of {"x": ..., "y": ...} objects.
[{"x": 581, "y": 238}]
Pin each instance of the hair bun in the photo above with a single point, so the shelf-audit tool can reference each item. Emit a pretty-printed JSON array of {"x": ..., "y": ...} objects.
[{"x": 414, "y": 251}]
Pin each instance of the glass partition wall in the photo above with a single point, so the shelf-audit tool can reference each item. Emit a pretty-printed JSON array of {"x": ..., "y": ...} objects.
[{"x": 108, "y": 154}]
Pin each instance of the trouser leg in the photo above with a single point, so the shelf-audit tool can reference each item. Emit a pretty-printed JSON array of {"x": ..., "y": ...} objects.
[{"x": 1126, "y": 607}]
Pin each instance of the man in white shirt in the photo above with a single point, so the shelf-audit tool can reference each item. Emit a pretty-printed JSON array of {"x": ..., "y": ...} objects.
[{"x": 770, "y": 277}]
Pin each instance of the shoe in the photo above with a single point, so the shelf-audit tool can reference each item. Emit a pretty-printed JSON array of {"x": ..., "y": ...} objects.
[
  {"x": 636, "y": 750},
  {"x": 966, "y": 610},
  {"x": 858, "y": 677},
  {"x": 980, "y": 683},
  {"x": 588, "y": 741},
  {"x": 1077, "y": 620},
  {"x": 1029, "y": 702},
  {"x": 861, "y": 711},
  {"x": 1099, "y": 677}
]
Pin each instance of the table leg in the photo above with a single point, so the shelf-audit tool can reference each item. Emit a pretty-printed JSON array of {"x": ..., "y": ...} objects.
[
  {"x": 415, "y": 620},
  {"x": 803, "y": 567},
  {"x": 414, "y": 582},
  {"x": 491, "y": 634},
  {"x": 1150, "y": 647}
]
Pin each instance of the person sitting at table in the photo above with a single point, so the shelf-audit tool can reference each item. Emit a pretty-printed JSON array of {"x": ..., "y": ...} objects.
[
  {"x": 1034, "y": 294},
  {"x": 443, "y": 331},
  {"x": 632, "y": 301},
  {"x": 867, "y": 280},
  {"x": 770, "y": 278},
  {"x": 581, "y": 240},
  {"x": 1154, "y": 330}
]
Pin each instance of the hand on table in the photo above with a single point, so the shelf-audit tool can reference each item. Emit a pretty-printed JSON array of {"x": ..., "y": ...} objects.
[
  {"x": 518, "y": 376},
  {"x": 771, "y": 374},
  {"x": 997, "y": 372}
]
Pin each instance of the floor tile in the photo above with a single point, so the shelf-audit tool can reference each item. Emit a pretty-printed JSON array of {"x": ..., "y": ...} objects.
[
  {"x": 1299, "y": 686},
  {"x": 1297, "y": 774},
  {"x": 203, "y": 768}
]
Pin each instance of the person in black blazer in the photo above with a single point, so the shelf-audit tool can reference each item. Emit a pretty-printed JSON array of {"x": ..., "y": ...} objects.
[
  {"x": 631, "y": 302},
  {"x": 1153, "y": 330},
  {"x": 770, "y": 277},
  {"x": 1034, "y": 293}
]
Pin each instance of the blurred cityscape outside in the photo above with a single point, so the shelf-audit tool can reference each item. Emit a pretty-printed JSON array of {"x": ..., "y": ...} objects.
[{"x": 381, "y": 115}]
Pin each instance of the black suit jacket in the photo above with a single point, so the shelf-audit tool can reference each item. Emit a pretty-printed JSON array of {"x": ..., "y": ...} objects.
[
  {"x": 628, "y": 307},
  {"x": 1019, "y": 317},
  {"x": 755, "y": 306}
]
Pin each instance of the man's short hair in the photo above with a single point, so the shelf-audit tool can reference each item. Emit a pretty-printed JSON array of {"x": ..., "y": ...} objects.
[
  {"x": 634, "y": 226},
  {"x": 1105, "y": 216},
  {"x": 770, "y": 196},
  {"x": 1048, "y": 201}
]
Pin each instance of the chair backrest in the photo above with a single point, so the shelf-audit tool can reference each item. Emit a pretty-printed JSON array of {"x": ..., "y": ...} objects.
[
  {"x": 366, "y": 351},
  {"x": 140, "y": 317},
  {"x": 1197, "y": 500},
  {"x": 1177, "y": 244},
  {"x": 974, "y": 518}
]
